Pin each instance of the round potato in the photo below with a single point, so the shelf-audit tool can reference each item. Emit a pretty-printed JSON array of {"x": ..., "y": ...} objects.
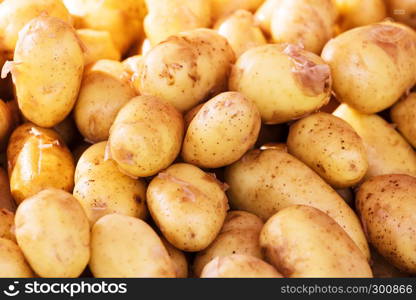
[
  {"x": 7, "y": 225},
  {"x": 178, "y": 258},
  {"x": 239, "y": 266},
  {"x": 53, "y": 233},
  {"x": 403, "y": 114},
  {"x": 284, "y": 81},
  {"x": 264, "y": 14},
  {"x": 223, "y": 8},
  {"x": 302, "y": 241},
  {"x": 265, "y": 182},
  {"x": 146, "y": 136},
  {"x": 402, "y": 11},
  {"x": 6, "y": 199},
  {"x": 123, "y": 246},
  {"x": 331, "y": 147},
  {"x": 105, "y": 89},
  {"x": 188, "y": 205},
  {"x": 386, "y": 205},
  {"x": 12, "y": 261}
]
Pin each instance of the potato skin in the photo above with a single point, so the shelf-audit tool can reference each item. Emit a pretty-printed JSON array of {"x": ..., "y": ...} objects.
[
  {"x": 365, "y": 59},
  {"x": 239, "y": 266},
  {"x": 264, "y": 14},
  {"x": 326, "y": 249},
  {"x": 387, "y": 151},
  {"x": 188, "y": 205},
  {"x": 386, "y": 205},
  {"x": 223, "y": 8},
  {"x": 133, "y": 66},
  {"x": 38, "y": 159},
  {"x": 402, "y": 11},
  {"x": 265, "y": 182},
  {"x": 6, "y": 124},
  {"x": 144, "y": 254},
  {"x": 331, "y": 147},
  {"x": 6, "y": 199},
  {"x": 146, "y": 136},
  {"x": 53, "y": 219},
  {"x": 283, "y": 80},
  {"x": 7, "y": 224},
  {"x": 12, "y": 261},
  {"x": 178, "y": 259},
  {"x": 403, "y": 114}
]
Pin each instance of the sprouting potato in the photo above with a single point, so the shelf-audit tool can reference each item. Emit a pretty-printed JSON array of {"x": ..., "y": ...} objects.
[
  {"x": 403, "y": 114},
  {"x": 12, "y": 261}
]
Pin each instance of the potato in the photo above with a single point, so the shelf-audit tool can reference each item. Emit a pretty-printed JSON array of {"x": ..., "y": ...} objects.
[
  {"x": 53, "y": 233},
  {"x": 178, "y": 259},
  {"x": 302, "y": 241},
  {"x": 403, "y": 114},
  {"x": 123, "y": 246},
  {"x": 146, "y": 136},
  {"x": 284, "y": 81},
  {"x": 49, "y": 48},
  {"x": 38, "y": 159},
  {"x": 239, "y": 266},
  {"x": 241, "y": 31},
  {"x": 387, "y": 150},
  {"x": 7, "y": 225},
  {"x": 12, "y": 261},
  {"x": 188, "y": 205},
  {"x": 223, "y": 8},
  {"x": 265, "y": 182},
  {"x": 6, "y": 199},
  {"x": 402, "y": 11},
  {"x": 105, "y": 89},
  {"x": 386, "y": 205},
  {"x": 169, "y": 17},
  {"x": 264, "y": 14},
  {"x": 239, "y": 235},
  {"x": 331, "y": 147},
  {"x": 98, "y": 44},
  {"x": 382, "y": 268},
  {"x": 102, "y": 189},
  {"x": 222, "y": 131},
  {"x": 6, "y": 123},
  {"x": 367, "y": 59},
  {"x": 14, "y": 14},
  {"x": 133, "y": 66},
  {"x": 187, "y": 68}
]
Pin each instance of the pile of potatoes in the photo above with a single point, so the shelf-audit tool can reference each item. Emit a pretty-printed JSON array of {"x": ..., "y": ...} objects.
[{"x": 207, "y": 138}]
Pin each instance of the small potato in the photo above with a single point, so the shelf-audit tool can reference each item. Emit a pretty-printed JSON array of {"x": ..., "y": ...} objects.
[
  {"x": 403, "y": 114},
  {"x": 6, "y": 199},
  {"x": 331, "y": 147},
  {"x": 98, "y": 44},
  {"x": 239, "y": 266},
  {"x": 284, "y": 81},
  {"x": 225, "y": 128},
  {"x": 38, "y": 159},
  {"x": 7, "y": 225},
  {"x": 12, "y": 261},
  {"x": 223, "y": 8},
  {"x": 302, "y": 241},
  {"x": 265, "y": 182},
  {"x": 187, "y": 68},
  {"x": 367, "y": 59},
  {"x": 386, "y": 205},
  {"x": 123, "y": 246},
  {"x": 146, "y": 136},
  {"x": 53, "y": 233},
  {"x": 241, "y": 31},
  {"x": 387, "y": 151},
  {"x": 188, "y": 205},
  {"x": 178, "y": 258},
  {"x": 264, "y": 14},
  {"x": 102, "y": 189},
  {"x": 105, "y": 89},
  {"x": 49, "y": 48},
  {"x": 402, "y": 11},
  {"x": 133, "y": 66}
]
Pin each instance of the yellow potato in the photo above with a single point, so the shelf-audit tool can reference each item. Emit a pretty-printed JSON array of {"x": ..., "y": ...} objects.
[
  {"x": 7, "y": 224},
  {"x": 6, "y": 123},
  {"x": 49, "y": 48},
  {"x": 187, "y": 68},
  {"x": 133, "y": 66},
  {"x": 265, "y": 182},
  {"x": 102, "y": 189},
  {"x": 366, "y": 60},
  {"x": 223, "y": 8},
  {"x": 331, "y": 147},
  {"x": 188, "y": 205},
  {"x": 146, "y": 136},
  {"x": 6, "y": 199},
  {"x": 402, "y": 11},
  {"x": 264, "y": 14},
  {"x": 239, "y": 266},
  {"x": 178, "y": 258},
  {"x": 105, "y": 89},
  {"x": 53, "y": 233},
  {"x": 403, "y": 114},
  {"x": 302, "y": 241},
  {"x": 38, "y": 159},
  {"x": 387, "y": 151},
  {"x": 123, "y": 246},
  {"x": 386, "y": 205},
  {"x": 12, "y": 261}
]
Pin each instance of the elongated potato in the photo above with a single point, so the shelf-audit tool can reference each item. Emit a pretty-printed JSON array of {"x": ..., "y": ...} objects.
[
  {"x": 49, "y": 48},
  {"x": 123, "y": 246},
  {"x": 386, "y": 205},
  {"x": 53, "y": 233},
  {"x": 7, "y": 224},
  {"x": 403, "y": 114},
  {"x": 6, "y": 199},
  {"x": 284, "y": 81},
  {"x": 223, "y": 8},
  {"x": 38, "y": 159},
  {"x": 264, "y": 14},
  {"x": 366, "y": 59},
  {"x": 265, "y": 182},
  {"x": 387, "y": 151},
  {"x": 302, "y": 241},
  {"x": 178, "y": 259},
  {"x": 12, "y": 261},
  {"x": 188, "y": 205},
  {"x": 331, "y": 147},
  {"x": 402, "y": 11}
]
